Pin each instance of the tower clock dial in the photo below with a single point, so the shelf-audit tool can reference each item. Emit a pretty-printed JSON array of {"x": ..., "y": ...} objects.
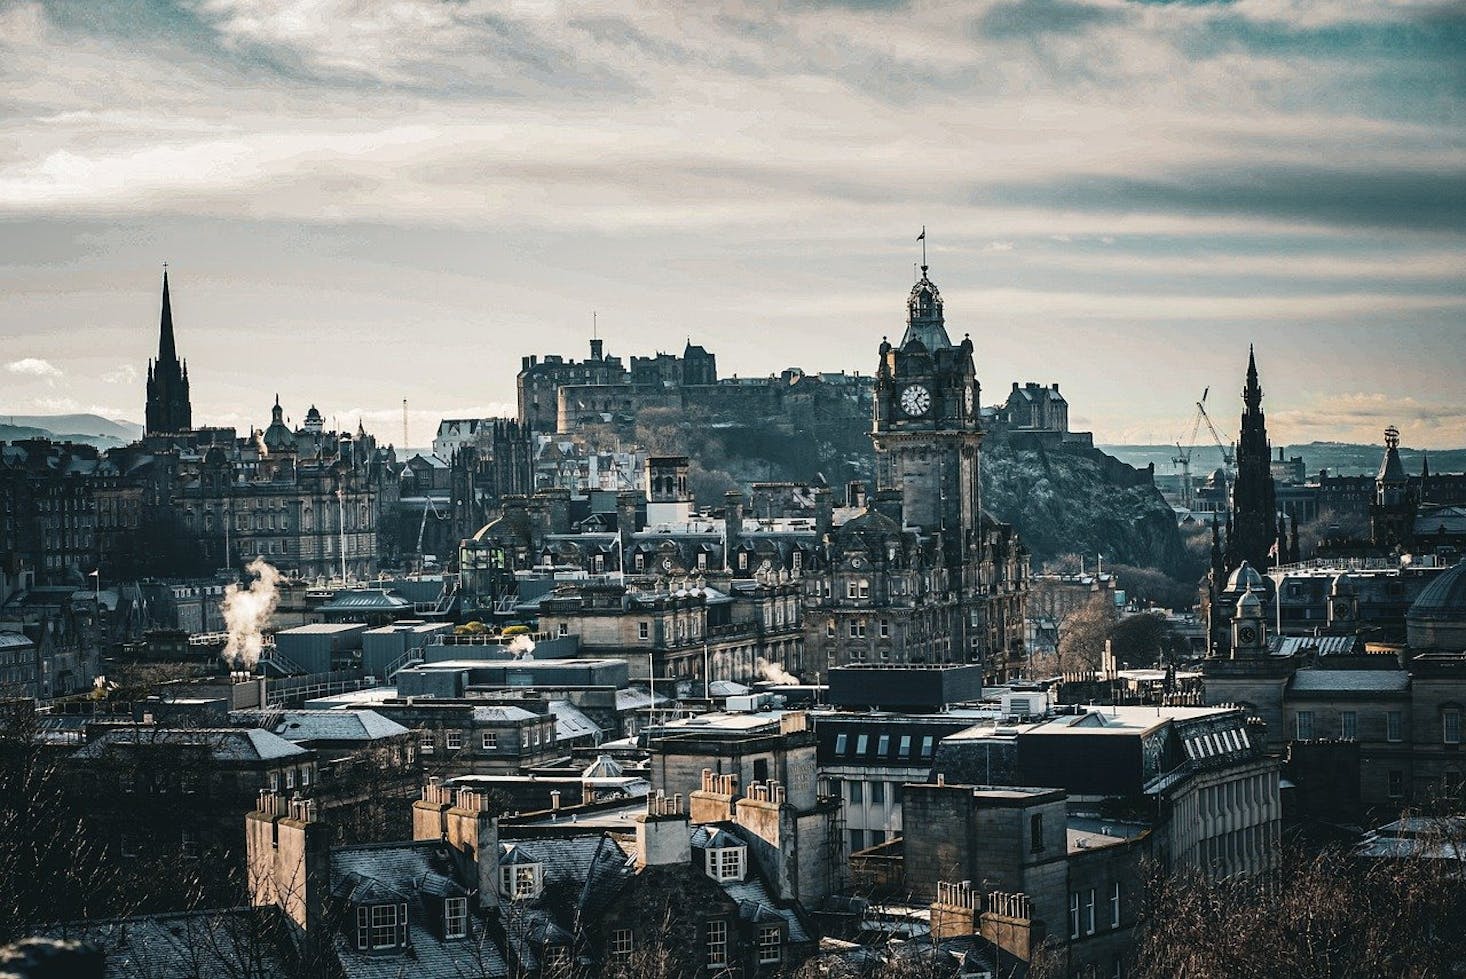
[
  {"x": 1247, "y": 635},
  {"x": 916, "y": 400}
]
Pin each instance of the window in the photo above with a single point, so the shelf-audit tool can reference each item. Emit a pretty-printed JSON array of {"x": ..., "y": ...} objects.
[
  {"x": 857, "y": 792},
  {"x": 717, "y": 944},
  {"x": 842, "y": 742},
  {"x": 455, "y": 917},
  {"x": 850, "y": 589},
  {"x": 425, "y": 745},
  {"x": 643, "y": 631},
  {"x": 1451, "y": 726},
  {"x": 1089, "y": 911},
  {"x": 883, "y": 745},
  {"x": 1349, "y": 725},
  {"x": 862, "y": 742},
  {"x": 742, "y": 560},
  {"x": 1115, "y": 904},
  {"x": 290, "y": 778},
  {"x": 1073, "y": 914},
  {"x": 857, "y": 840},
  {"x": 274, "y": 781},
  {"x": 878, "y": 793},
  {"x": 621, "y": 943},
  {"x": 1036, "y": 833},
  {"x": 864, "y": 589},
  {"x": 726, "y": 862},
  {"x": 1397, "y": 784},
  {"x": 905, "y": 750},
  {"x": 926, "y": 746},
  {"x": 305, "y": 777},
  {"x": 521, "y": 880},
  {"x": 830, "y": 629},
  {"x": 1305, "y": 725},
  {"x": 885, "y": 628},
  {"x": 1392, "y": 726},
  {"x": 381, "y": 926},
  {"x": 455, "y": 740},
  {"x": 769, "y": 945},
  {"x": 563, "y": 629},
  {"x": 490, "y": 740}
]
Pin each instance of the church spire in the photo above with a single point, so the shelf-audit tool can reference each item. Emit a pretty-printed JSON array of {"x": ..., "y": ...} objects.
[
  {"x": 167, "y": 350},
  {"x": 168, "y": 408}
]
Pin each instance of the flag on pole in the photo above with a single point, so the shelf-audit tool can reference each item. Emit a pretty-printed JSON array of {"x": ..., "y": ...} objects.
[{"x": 922, "y": 236}]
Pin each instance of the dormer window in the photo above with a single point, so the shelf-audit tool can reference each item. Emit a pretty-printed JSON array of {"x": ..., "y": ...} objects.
[
  {"x": 381, "y": 926},
  {"x": 521, "y": 881},
  {"x": 727, "y": 863},
  {"x": 455, "y": 917}
]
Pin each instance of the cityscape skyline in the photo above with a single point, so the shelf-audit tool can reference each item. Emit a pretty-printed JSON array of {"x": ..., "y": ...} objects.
[{"x": 370, "y": 192}]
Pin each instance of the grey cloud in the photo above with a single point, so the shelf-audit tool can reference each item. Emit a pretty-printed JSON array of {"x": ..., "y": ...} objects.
[
  {"x": 1029, "y": 18},
  {"x": 1403, "y": 199}
]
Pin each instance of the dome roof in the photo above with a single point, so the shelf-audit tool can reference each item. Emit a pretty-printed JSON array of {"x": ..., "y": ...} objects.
[
  {"x": 1245, "y": 578},
  {"x": 1437, "y": 618},
  {"x": 1444, "y": 597},
  {"x": 1250, "y": 605}
]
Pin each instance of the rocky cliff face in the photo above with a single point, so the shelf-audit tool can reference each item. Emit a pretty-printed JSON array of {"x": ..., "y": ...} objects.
[
  {"x": 1064, "y": 498},
  {"x": 1073, "y": 498}
]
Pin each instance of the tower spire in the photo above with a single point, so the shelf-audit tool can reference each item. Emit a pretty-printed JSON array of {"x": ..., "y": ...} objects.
[
  {"x": 1252, "y": 393},
  {"x": 167, "y": 349}
]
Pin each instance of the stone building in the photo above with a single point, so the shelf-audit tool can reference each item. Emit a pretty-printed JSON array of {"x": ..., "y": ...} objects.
[{"x": 168, "y": 408}]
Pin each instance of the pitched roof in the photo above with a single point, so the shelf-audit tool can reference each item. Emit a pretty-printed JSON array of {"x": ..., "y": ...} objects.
[
  {"x": 1356, "y": 681},
  {"x": 224, "y": 744}
]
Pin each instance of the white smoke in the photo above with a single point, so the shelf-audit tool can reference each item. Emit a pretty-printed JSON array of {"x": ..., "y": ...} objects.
[
  {"x": 522, "y": 647},
  {"x": 774, "y": 673},
  {"x": 247, "y": 611}
]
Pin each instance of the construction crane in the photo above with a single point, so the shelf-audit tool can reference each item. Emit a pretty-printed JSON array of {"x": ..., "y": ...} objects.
[
  {"x": 1229, "y": 457},
  {"x": 1183, "y": 452}
]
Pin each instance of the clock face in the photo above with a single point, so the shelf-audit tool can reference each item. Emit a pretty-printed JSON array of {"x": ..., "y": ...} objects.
[
  {"x": 666, "y": 564},
  {"x": 1247, "y": 635},
  {"x": 916, "y": 400},
  {"x": 967, "y": 399},
  {"x": 1342, "y": 610}
]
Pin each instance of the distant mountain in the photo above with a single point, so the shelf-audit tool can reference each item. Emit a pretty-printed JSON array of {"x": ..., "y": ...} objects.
[
  {"x": 85, "y": 428},
  {"x": 1339, "y": 458}
]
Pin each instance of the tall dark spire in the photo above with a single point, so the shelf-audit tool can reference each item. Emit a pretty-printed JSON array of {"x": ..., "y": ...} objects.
[
  {"x": 167, "y": 349},
  {"x": 1254, "y": 518},
  {"x": 1252, "y": 393},
  {"x": 168, "y": 408}
]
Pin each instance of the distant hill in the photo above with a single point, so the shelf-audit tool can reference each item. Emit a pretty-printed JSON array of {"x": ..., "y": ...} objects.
[
  {"x": 1339, "y": 458},
  {"x": 89, "y": 429}
]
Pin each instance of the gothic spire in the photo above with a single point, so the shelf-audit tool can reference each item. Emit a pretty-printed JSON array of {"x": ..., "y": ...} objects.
[
  {"x": 1252, "y": 393},
  {"x": 167, "y": 350}
]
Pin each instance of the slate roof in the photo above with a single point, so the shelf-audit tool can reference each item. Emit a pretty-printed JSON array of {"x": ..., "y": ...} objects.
[
  {"x": 1322, "y": 645},
  {"x": 1349, "y": 681},
  {"x": 413, "y": 871},
  {"x": 570, "y": 723},
  {"x": 224, "y": 744},
  {"x": 234, "y": 942},
  {"x": 298, "y": 726}
]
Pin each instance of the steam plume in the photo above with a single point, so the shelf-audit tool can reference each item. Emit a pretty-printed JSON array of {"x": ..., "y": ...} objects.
[
  {"x": 773, "y": 672},
  {"x": 246, "y": 611},
  {"x": 522, "y": 647}
]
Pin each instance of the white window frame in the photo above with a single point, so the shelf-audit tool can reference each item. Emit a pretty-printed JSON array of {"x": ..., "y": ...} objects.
[
  {"x": 1115, "y": 904},
  {"x": 717, "y": 945},
  {"x": 490, "y": 741},
  {"x": 1298, "y": 725},
  {"x": 1394, "y": 726},
  {"x": 644, "y": 631},
  {"x": 623, "y": 943},
  {"x": 425, "y": 743},
  {"x": 770, "y": 945},
  {"x": 454, "y": 740},
  {"x": 455, "y": 917},
  {"x": 1073, "y": 914},
  {"x": 1349, "y": 725},
  {"x": 1451, "y": 726},
  {"x": 1089, "y": 912},
  {"x": 726, "y": 862},
  {"x": 521, "y": 881}
]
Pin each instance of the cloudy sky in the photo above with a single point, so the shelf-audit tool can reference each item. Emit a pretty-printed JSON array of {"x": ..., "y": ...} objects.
[{"x": 363, "y": 201}]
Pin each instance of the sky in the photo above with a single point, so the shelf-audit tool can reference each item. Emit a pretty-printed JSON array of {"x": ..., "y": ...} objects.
[{"x": 365, "y": 201}]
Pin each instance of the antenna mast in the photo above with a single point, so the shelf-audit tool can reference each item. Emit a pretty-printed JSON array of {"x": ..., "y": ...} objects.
[{"x": 404, "y": 425}]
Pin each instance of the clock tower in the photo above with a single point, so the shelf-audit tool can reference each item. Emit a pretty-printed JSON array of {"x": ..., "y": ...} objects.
[{"x": 927, "y": 433}]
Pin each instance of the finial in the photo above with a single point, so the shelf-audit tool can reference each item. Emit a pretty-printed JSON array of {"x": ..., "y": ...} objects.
[{"x": 922, "y": 238}]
